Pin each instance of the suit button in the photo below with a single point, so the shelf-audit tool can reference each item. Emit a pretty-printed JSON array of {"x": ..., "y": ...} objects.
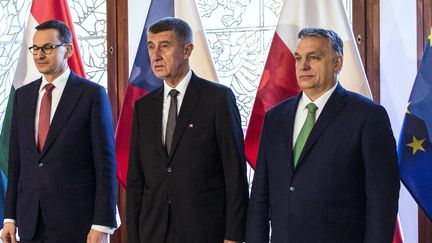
[
  {"x": 169, "y": 169},
  {"x": 169, "y": 201},
  {"x": 40, "y": 165},
  {"x": 292, "y": 189}
]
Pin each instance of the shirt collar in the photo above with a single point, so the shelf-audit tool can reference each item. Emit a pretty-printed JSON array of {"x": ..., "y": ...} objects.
[
  {"x": 181, "y": 87},
  {"x": 59, "y": 81},
  {"x": 320, "y": 102}
]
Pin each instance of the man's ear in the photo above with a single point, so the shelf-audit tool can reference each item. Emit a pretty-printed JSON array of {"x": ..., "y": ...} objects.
[
  {"x": 339, "y": 63},
  {"x": 188, "y": 50},
  {"x": 69, "y": 51}
]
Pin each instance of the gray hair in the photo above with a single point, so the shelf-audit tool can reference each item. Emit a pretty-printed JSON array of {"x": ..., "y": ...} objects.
[
  {"x": 335, "y": 41},
  {"x": 182, "y": 30}
]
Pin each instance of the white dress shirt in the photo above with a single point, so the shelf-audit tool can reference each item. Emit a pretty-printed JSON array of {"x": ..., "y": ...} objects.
[
  {"x": 181, "y": 88},
  {"x": 302, "y": 111},
  {"x": 59, "y": 86}
]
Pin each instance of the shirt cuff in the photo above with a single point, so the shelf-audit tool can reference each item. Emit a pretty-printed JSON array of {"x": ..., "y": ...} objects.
[
  {"x": 103, "y": 229},
  {"x": 106, "y": 229},
  {"x": 9, "y": 221}
]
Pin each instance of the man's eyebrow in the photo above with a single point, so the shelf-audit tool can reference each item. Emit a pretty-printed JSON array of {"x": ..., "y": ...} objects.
[
  {"x": 309, "y": 53},
  {"x": 48, "y": 43},
  {"x": 160, "y": 42}
]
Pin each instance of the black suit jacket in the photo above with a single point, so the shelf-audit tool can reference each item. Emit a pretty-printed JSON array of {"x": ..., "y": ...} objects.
[
  {"x": 200, "y": 193},
  {"x": 72, "y": 182},
  {"x": 345, "y": 188}
]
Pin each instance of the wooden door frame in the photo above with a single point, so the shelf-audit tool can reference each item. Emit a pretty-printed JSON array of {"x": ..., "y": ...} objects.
[
  {"x": 366, "y": 30},
  {"x": 118, "y": 73}
]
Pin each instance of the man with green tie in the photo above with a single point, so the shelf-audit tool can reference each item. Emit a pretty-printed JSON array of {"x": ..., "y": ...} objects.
[{"x": 327, "y": 165}]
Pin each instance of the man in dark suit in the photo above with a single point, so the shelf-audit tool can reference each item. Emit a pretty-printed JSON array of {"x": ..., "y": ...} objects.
[
  {"x": 62, "y": 170},
  {"x": 327, "y": 167},
  {"x": 186, "y": 181}
]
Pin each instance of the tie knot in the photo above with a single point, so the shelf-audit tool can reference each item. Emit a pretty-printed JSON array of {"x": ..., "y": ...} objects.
[
  {"x": 49, "y": 87},
  {"x": 311, "y": 107},
  {"x": 173, "y": 93}
]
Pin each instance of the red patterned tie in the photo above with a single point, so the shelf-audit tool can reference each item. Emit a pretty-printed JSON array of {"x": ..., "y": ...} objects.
[{"x": 44, "y": 116}]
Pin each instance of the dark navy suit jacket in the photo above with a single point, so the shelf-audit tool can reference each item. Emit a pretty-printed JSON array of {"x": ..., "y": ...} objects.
[
  {"x": 72, "y": 182},
  {"x": 345, "y": 188}
]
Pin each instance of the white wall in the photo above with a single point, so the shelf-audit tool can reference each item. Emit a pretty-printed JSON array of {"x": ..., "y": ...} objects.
[{"x": 398, "y": 70}]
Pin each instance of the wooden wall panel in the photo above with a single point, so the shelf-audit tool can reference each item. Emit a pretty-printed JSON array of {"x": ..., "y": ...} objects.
[
  {"x": 118, "y": 72},
  {"x": 366, "y": 31}
]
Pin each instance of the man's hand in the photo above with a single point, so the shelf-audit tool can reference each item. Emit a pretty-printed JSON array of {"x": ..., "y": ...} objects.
[
  {"x": 230, "y": 241},
  {"x": 95, "y": 236},
  {"x": 9, "y": 232}
]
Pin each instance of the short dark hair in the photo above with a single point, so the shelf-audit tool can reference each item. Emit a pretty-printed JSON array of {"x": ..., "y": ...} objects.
[
  {"x": 182, "y": 30},
  {"x": 335, "y": 41},
  {"x": 64, "y": 31}
]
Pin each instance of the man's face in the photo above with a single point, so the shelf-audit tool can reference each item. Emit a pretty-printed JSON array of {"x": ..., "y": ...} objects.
[
  {"x": 53, "y": 64},
  {"x": 316, "y": 66},
  {"x": 168, "y": 56}
]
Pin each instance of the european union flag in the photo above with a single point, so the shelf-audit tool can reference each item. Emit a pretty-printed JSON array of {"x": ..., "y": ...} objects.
[{"x": 415, "y": 148}]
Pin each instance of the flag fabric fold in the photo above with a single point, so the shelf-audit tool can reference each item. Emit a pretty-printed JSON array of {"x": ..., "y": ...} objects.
[
  {"x": 26, "y": 72},
  {"x": 142, "y": 80},
  {"x": 415, "y": 147}
]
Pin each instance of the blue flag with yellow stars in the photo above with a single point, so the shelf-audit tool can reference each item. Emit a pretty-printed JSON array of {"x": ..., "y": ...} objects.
[{"x": 415, "y": 148}]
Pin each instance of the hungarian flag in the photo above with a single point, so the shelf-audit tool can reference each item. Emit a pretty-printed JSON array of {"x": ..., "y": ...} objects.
[
  {"x": 26, "y": 72},
  {"x": 142, "y": 80},
  {"x": 278, "y": 80}
]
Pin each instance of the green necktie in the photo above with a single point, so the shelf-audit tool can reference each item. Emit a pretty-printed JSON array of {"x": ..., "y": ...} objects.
[{"x": 304, "y": 132}]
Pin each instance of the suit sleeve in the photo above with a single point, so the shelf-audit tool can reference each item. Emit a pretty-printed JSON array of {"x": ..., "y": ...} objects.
[
  {"x": 381, "y": 177},
  {"x": 257, "y": 230},
  {"x": 135, "y": 182},
  {"x": 13, "y": 166},
  {"x": 103, "y": 148},
  {"x": 230, "y": 142}
]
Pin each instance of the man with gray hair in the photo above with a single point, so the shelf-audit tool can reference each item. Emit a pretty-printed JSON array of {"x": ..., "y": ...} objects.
[
  {"x": 327, "y": 165},
  {"x": 186, "y": 177}
]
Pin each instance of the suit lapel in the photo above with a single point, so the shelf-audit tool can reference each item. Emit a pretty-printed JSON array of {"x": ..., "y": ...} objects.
[
  {"x": 334, "y": 105},
  {"x": 68, "y": 100},
  {"x": 156, "y": 117},
  {"x": 289, "y": 127},
  {"x": 189, "y": 103},
  {"x": 30, "y": 101}
]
